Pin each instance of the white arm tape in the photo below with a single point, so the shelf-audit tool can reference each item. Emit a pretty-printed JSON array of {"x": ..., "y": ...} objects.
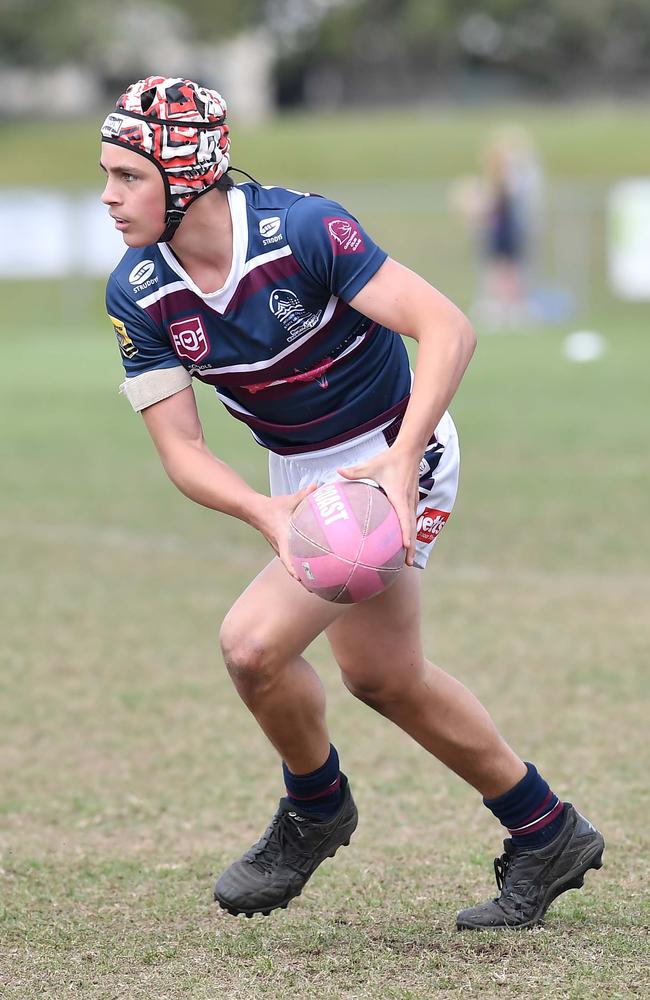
[{"x": 150, "y": 387}]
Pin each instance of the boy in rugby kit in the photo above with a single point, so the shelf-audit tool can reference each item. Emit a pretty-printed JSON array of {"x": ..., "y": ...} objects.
[{"x": 282, "y": 302}]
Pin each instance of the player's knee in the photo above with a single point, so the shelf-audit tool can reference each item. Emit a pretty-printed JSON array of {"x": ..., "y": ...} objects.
[
  {"x": 375, "y": 692},
  {"x": 248, "y": 657}
]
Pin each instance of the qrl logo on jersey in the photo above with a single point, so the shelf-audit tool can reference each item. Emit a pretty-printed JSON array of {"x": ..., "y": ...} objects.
[
  {"x": 430, "y": 523},
  {"x": 189, "y": 338},
  {"x": 344, "y": 236}
]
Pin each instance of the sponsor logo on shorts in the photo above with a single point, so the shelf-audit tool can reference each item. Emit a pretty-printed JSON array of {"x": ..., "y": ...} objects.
[
  {"x": 126, "y": 345},
  {"x": 270, "y": 230},
  {"x": 430, "y": 523},
  {"x": 289, "y": 310},
  {"x": 344, "y": 236},
  {"x": 142, "y": 272},
  {"x": 189, "y": 338}
]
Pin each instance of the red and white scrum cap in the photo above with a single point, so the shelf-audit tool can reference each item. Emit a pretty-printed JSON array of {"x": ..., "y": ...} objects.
[{"x": 179, "y": 126}]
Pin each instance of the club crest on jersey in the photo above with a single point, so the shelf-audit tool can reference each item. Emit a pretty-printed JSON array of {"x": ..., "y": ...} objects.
[
  {"x": 126, "y": 345},
  {"x": 289, "y": 310},
  {"x": 189, "y": 338},
  {"x": 430, "y": 523},
  {"x": 344, "y": 236}
]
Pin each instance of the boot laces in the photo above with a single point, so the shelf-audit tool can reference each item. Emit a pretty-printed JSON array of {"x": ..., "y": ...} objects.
[
  {"x": 502, "y": 867},
  {"x": 281, "y": 838}
]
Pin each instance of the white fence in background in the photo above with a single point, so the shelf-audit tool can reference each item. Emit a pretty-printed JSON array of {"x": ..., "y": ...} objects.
[
  {"x": 55, "y": 234},
  {"x": 52, "y": 234}
]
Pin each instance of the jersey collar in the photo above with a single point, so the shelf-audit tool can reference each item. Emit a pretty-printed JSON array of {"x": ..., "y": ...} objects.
[{"x": 219, "y": 299}]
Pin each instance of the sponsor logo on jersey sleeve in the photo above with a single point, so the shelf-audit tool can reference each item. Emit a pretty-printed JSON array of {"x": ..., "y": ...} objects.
[
  {"x": 189, "y": 338},
  {"x": 294, "y": 317},
  {"x": 270, "y": 230},
  {"x": 141, "y": 272},
  {"x": 126, "y": 345},
  {"x": 141, "y": 275},
  {"x": 430, "y": 523},
  {"x": 344, "y": 236}
]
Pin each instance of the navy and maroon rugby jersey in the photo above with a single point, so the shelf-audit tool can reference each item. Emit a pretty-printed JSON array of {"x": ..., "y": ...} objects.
[{"x": 283, "y": 349}]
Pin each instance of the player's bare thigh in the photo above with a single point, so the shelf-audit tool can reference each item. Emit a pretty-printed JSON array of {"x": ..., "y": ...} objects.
[
  {"x": 274, "y": 619},
  {"x": 378, "y": 643}
]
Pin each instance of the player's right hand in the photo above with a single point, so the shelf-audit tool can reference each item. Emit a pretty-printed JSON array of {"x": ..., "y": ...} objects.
[{"x": 274, "y": 520}]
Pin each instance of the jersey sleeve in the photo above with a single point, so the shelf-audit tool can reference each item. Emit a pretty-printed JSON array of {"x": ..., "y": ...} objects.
[
  {"x": 153, "y": 371},
  {"x": 142, "y": 347},
  {"x": 331, "y": 246}
]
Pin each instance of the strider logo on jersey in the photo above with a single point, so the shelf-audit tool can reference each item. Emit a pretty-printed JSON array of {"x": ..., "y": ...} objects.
[
  {"x": 270, "y": 230},
  {"x": 142, "y": 272},
  {"x": 189, "y": 338},
  {"x": 126, "y": 345}
]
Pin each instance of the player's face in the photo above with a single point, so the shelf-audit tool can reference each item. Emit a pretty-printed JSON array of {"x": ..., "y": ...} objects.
[{"x": 134, "y": 194}]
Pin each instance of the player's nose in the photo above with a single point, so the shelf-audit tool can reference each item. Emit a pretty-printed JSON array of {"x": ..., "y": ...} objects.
[{"x": 109, "y": 195}]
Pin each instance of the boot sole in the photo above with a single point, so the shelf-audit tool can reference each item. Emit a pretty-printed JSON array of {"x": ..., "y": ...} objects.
[
  {"x": 571, "y": 880},
  {"x": 265, "y": 911}
]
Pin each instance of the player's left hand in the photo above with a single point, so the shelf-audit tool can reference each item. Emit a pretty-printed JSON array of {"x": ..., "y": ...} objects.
[{"x": 397, "y": 472}]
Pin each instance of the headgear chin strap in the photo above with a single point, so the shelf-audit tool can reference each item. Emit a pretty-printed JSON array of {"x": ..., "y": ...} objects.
[{"x": 179, "y": 126}]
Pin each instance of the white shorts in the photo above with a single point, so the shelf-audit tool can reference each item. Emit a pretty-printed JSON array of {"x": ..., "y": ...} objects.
[{"x": 438, "y": 476}]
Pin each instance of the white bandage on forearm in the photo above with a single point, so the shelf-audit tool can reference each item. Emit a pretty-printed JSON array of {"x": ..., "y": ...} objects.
[{"x": 150, "y": 387}]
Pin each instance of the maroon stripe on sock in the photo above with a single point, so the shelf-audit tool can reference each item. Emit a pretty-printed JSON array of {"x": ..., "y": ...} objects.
[
  {"x": 544, "y": 821},
  {"x": 542, "y": 809},
  {"x": 536, "y": 812},
  {"x": 330, "y": 790}
]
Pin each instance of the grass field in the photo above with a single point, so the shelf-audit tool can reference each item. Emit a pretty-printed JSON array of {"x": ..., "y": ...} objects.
[{"x": 131, "y": 773}]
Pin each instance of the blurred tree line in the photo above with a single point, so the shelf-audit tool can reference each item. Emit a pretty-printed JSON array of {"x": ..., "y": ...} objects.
[{"x": 330, "y": 50}]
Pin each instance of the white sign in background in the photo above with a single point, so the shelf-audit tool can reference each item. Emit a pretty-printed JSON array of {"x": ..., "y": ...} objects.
[
  {"x": 628, "y": 239},
  {"x": 50, "y": 234}
]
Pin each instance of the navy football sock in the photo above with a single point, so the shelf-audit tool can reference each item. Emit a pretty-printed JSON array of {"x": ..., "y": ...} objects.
[
  {"x": 530, "y": 811},
  {"x": 317, "y": 794}
]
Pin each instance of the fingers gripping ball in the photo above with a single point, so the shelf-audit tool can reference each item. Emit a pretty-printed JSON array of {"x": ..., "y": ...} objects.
[{"x": 345, "y": 542}]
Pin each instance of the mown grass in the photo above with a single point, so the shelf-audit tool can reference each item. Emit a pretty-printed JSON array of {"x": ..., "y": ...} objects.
[{"x": 132, "y": 774}]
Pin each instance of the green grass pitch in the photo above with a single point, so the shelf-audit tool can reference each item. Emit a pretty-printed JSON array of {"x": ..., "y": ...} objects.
[{"x": 131, "y": 773}]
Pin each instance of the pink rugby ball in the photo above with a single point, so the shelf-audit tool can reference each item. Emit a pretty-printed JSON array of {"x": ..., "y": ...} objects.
[{"x": 345, "y": 542}]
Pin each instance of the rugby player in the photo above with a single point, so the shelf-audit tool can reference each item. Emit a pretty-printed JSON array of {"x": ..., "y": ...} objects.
[{"x": 283, "y": 303}]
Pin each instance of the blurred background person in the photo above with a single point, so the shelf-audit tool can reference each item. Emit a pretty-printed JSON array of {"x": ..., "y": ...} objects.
[{"x": 505, "y": 209}]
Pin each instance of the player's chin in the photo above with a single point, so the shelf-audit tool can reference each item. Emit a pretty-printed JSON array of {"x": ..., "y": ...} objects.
[{"x": 135, "y": 237}]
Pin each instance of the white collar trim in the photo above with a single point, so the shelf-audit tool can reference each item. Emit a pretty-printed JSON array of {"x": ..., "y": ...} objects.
[{"x": 219, "y": 299}]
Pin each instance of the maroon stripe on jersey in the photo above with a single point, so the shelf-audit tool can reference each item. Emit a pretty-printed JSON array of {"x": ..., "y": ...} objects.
[
  {"x": 308, "y": 346},
  {"x": 288, "y": 367},
  {"x": 293, "y": 430},
  {"x": 260, "y": 277},
  {"x": 171, "y": 307},
  {"x": 315, "y": 373}
]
